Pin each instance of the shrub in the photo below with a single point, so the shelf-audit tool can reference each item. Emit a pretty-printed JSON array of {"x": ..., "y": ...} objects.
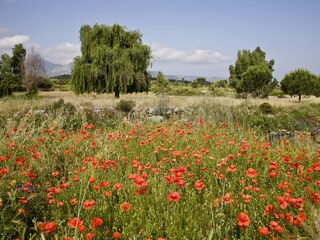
[
  {"x": 126, "y": 105},
  {"x": 266, "y": 108}
]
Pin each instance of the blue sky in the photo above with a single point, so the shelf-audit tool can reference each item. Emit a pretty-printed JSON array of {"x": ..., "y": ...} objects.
[{"x": 187, "y": 37}]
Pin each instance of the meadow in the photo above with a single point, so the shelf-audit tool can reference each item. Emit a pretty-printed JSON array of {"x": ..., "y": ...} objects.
[{"x": 68, "y": 172}]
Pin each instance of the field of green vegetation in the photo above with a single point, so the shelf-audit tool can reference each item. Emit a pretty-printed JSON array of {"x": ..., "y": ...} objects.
[{"x": 95, "y": 167}]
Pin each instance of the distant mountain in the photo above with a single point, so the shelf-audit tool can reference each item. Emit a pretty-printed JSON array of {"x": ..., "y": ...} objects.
[
  {"x": 53, "y": 69},
  {"x": 189, "y": 78}
]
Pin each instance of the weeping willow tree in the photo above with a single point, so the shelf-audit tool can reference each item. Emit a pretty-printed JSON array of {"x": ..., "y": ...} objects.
[{"x": 112, "y": 60}]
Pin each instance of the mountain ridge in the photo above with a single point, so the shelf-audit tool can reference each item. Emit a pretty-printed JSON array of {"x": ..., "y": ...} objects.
[{"x": 54, "y": 69}]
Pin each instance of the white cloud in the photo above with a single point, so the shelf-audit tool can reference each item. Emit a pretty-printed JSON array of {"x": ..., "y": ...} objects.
[
  {"x": 62, "y": 53},
  {"x": 9, "y": 42},
  {"x": 198, "y": 56}
]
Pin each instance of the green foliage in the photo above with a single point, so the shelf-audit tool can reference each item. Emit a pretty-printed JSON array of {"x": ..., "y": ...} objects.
[
  {"x": 277, "y": 92},
  {"x": 161, "y": 85},
  {"x": 221, "y": 83},
  {"x": 266, "y": 108},
  {"x": 201, "y": 81},
  {"x": 300, "y": 82},
  {"x": 46, "y": 84},
  {"x": 252, "y": 74},
  {"x": 17, "y": 62},
  {"x": 126, "y": 105},
  {"x": 194, "y": 84},
  {"x": 113, "y": 60},
  {"x": 7, "y": 78}
]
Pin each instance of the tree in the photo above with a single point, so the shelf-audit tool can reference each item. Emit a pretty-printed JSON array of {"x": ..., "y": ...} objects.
[
  {"x": 33, "y": 72},
  {"x": 316, "y": 89},
  {"x": 299, "y": 82},
  {"x": 7, "y": 78},
  {"x": 252, "y": 74},
  {"x": 161, "y": 84},
  {"x": 113, "y": 60},
  {"x": 17, "y": 61},
  {"x": 201, "y": 81}
]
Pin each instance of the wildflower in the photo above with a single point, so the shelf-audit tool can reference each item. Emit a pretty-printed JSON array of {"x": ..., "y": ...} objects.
[
  {"x": 251, "y": 172},
  {"x": 301, "y": 217},
  {"x": 174, "y": 197},
  {"x": 96, "y": 222},
  {"x": 316, "y": 166},
  {"x": 227, "y": 198},
  {"x": 263, "y": 231},
  {"x": 90, "y": 236},
  {"x": 246, "y": 198},
  {"x": 75, "y": 222},
  {"x": 117, "y": 186},
  {"x": 92, "y": 180},
  {"x": 54, "y": 174},
  {"x": 273, "y": 174},
  {"x": 88, "y": 204},
  {"x": 198, "y": 185},
  {"x": 276, "y": 227},
  {"x": 104, "y": 184},
  {"x": 125, "y": 206},
  {"x": 73, "y": 201},
  {"x": 243, "y": 220},
  {"x": 282, "y": 202},
  {"x": 50, "y": 227},
  {"x": 116, "y": 235},
  {"x": 269, "y": 209},
  {"x": 107, "y": 194},
  {"x": 231, "y": 168}
]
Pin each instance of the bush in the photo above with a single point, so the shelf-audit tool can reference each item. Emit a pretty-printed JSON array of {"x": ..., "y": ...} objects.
[
  {"x": 126, "y": 105},
  {"x": 266, "y": 108},
  {"x": 45, "y": 85}
]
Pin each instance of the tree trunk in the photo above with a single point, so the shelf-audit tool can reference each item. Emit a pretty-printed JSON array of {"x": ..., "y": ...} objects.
[
  {"x": 116, "y": 92},
  {"x": 299, "y": 98}
]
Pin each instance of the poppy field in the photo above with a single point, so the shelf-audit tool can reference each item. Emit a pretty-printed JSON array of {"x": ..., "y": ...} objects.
[{"x": 144, "y": 180}]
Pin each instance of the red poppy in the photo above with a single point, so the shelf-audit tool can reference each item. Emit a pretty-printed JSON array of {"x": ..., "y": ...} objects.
[
  {"x": 198, "y": 185},
  {"x": 75, "y": 222},
  {"x": 125, "y": 206},
  {"x": 92, "y": 180},
  {"x": 269, "y": 209},
  {"x": 88, "y": 204},
  {"x": 116, "y": 235},
  {"x": 104, "y": 184},
  {"x": 96, "y": 222},
  {"x": 251, "y": 172},
  {"x": 73, "y": 201},
  {"x": 263, "y": 231},
  {"x": 316, "y": 166},
  {"x": 282, "y": 201},
  {"x": 174, "y": 197},
  {"x": 275, "y": 226},
  {"x": 243, "y": 220},
  {"x": 117, "y": 186},
  {"x": 107, "y": 194},
  {"x": 90, "y": 236},
  {"x": 41, "y": 226},
  {"x": 50, "y": 227},
  {"x": 227, "y": 198},
  {"x": 301, "y": 217}
]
